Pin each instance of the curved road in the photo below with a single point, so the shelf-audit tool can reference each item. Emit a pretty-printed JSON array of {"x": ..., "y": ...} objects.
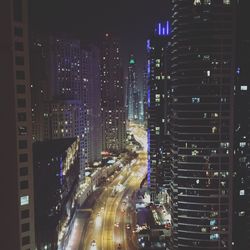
[{"x": 113, "y": 217}]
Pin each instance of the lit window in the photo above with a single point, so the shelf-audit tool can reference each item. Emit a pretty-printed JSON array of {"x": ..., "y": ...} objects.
[
  {"x": 226, "y": 1},
  {"x": 208, "y": 73},
  {"x": 214, "y": 236},
  {"x": 157, "y": 98},
  {"x": 197, "y": 2},
  {"x": 24, "y": 200},
  {"x": 243, "y": 87},
  {"x": 157, "y": 130},
  {"x": 195, "y": 99},
  {"x": 242, "y": 144},
  {"x": 214, "y": 130},
  {"x": 242, "y": 213},
  {"x": 242, "y": 192}
]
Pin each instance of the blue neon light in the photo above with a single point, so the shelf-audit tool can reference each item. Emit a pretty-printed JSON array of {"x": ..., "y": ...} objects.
[
  {"x": 148, "y": 97},
  {"x": 163, "y": 29},
  {"x": 148, "y": 158},
  {"x": 148, "y": 45},
  {"x": 167, "y": 27},
  {"x": 148, "y": 69},
  {"x": 159, "y": 29}
]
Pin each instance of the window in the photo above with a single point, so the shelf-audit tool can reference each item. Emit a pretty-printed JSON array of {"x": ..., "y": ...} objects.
[
  {"x": 157, "y": 130},
  {"x": 18, "y": 46},
  {"x": 214, "y": 236},
  {"x": 17, "y": 6},
  {"x": 25, "y": 214},
  {"x": 22, "y": 130},
  {"x": 226, "y": 1},
  {"x": 20, "y": 89},
  {"x": 243, "y": 144},
  {"x": 25, "y": 227},
  {"x": 195, "y": 99},
  {"x": 18, "y": 31},
  {"x": 23, "y": 171},
  {"x": 24, "y": 200},
  {"x": 157, "y": 98},
  {"x": 23, "y": 157},
  {"x": 243, "y": 87},
  {"x": 214, "y": 130},
  {"x": 19, "y": 60},
  {"x": 20, "y": 75},
  {"x": 22, "y": 144},
  {"x": 25, "y": 240},
  {"x": 197, "y": 2},
  {"x": 242, "y": 192},
  {"x": 21, "y": 103},
  {"x": 24, "y": 184},
  {"x": 21, "y": 117}
]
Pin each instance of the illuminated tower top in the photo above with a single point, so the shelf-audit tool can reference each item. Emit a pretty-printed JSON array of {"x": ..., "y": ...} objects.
[{"x": 162, "y": 29}]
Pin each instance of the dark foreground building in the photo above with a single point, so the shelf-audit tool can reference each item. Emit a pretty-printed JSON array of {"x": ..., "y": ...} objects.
[
  {"x": 202, "y": 78},
  {"x": 56, "y": 175},
  {"x": 17, "y": 211}
]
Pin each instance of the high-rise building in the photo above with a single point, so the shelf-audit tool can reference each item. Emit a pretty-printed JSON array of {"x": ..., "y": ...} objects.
[
  {"x": 158, "y": 47},
  {"x": 112, "y": 96},
  {"x": 58, "y": 91},
  {"x": 241, "y": 219},
  {"x": 90, "y": 65},
  {"x": 132, "y": 94},
  {"x": 202, "y": 82},
  {"x": 17, "y": 206}
]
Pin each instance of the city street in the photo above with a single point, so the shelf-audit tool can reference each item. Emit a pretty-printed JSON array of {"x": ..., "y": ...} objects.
[{"x": 112, "y": 220}]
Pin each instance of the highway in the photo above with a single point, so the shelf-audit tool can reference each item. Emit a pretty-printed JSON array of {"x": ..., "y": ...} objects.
[{"x": 112, "y": 221}]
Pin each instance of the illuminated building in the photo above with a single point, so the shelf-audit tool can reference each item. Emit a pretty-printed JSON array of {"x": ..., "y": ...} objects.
[
  {"x": 241, "y": 219},
  {"x": 133, "y": 95},
  {"x": 112, "y": 96},
  {"x": 56, "y": 177},
  {"x": 202, "y": 82},
  {"x": 158, "y": 48},
  {"x": 90, "y": 65},
  {"x": 59, "y": 92},
  {"x": 17, "y": 205}
]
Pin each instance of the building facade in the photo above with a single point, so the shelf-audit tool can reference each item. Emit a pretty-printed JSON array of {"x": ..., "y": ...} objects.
[
  {"x": 56, "y": 177},
  {"x": 241, "y": 219},
  {"x": 17, "y": 209},
  {"x": 90, "y": 65},
  {"x": 59, "y": 91},
  {"x": 133, "y": 94},
  {"x": 112, "y": 96},
  {"x": 158, "y": 48},
  {"x": 202, "y": 82}
]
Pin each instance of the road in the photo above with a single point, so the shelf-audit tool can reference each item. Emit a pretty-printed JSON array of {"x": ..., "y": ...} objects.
[{"x": 113, "y": 217}]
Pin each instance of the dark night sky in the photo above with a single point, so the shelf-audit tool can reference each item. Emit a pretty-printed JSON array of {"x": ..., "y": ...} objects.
[{"x": 131, "y": 20}]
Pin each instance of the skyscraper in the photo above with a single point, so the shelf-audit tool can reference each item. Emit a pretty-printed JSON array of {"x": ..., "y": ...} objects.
[
  {"x": 90, "y": 65},
  {"x": 112, "y": 95},
  {"x": 202, "y": 81},
  {"x": 17, "y": 206},
  {"x": 59, "y": 91},
  {"x": 158, "y": 48},
  {"x": 133, "y": 96},
  {"x": 241, "y": 219}
]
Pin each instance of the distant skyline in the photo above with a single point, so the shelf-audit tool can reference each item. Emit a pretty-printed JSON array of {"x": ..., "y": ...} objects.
[{"x": 131, "y": 20}]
